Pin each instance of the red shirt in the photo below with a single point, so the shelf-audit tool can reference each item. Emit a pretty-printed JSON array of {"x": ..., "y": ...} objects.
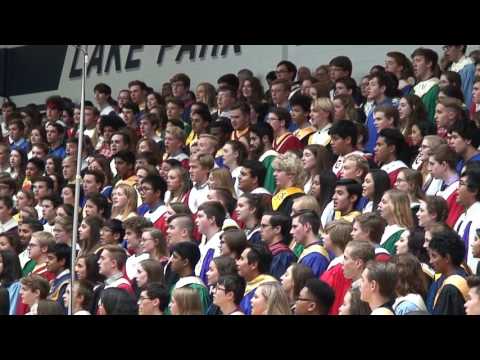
[{"x": 340, "y": 285}]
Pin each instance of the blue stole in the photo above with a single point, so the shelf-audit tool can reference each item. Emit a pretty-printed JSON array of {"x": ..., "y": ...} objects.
[
  {"x": 205, "y": 265},
  {"x": 466, "y": 238}
]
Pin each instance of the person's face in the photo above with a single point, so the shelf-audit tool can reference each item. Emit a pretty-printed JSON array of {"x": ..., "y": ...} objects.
[
  {"x": 345, "y": 307},
  {"x": 401, "y": 183},
  {"x": 133, "y": 240},
  {"x": 452, "y": 52},
  {"x": 48, "y": 210},
  {"x": 287, "y": 280},
  {"x": 174, "y": 232},
  {"x": 443, "y": 81},
  {"x": 22, "y": 200},
  {"x": 351, "y": 266},
  {"x": 243, "y": 209},
  {"x": 472, "y": 305},
  {"x": 53, "y": 264},
  {"x": 119, "y": 198},
  {"x": 4, "y": 245},
  {"x": 420, "y": 67},
  {"x": 200, "y": 93},
  {"x": 339, "y": 145},
  {"x": 228, "y": 154},
  {"x": 416, "y": 136},
  {"x": 424, "y": 149},
  {"x": 342, "y": 201},
  {"x": 146, "y": 306},
  {"x": 476, "y": 89},
  {"x": 198, "y": 125},
  {"x": 442, "y": 118},
  {"x": 309, "y": 160},
  {"x": 67, "y": 196},
  {"x": 197, "y": 173},
  {"x": 107, "y": 236},
  {"x": 173, "y": 111},
  {"x": 212, "y": 274},
  {"x": 298, "y": 231},
  {"x": 38, "y": 153},
  {"x": 179, "y": 89},
  {"x": 68, "y": 169},
  {"x": 15, "y": 159},
  {"x": 336, "y": 73},
  {"x": 49, "y": 167},
  {"x": 365, "y": 287},
  {"x": 386, "y": 207},
  {"x": 358, "y": 233},
  {"x": 105, "y": 264},
  {"x": 205, "y": 146},
  {"x": 90, "y": 118},
  {"x": 52, "y": 135},
  {"x": 146, "y": 128},
  {"x": 84, "y": 231},
  {"x": 202, "y": 222},
  {"x": 247, "y": 89},
  {"x": 117, "y": 144},
  {"x": 31, "y": 170},
  {"x": 142, "y": 276},
  {"x": 475, "y": 245},
  {"x": 243, "y": 268},
  {"x": 123, "y": 98},
  {"x": 282, "y": 179},
  {"x": 238, "y": 119},
  {"x": 147, "y": 243},
  {"x": 164, "y": 169},
  {"x": 299, "y": 116},
  {"x": 340, "y": 113},
  {"x": 465, "y": 196},
  {"x": 425, "y": 219},
  {"x": 15, "y": 132},
  {"x": 5, "y": 213},
  {"x": 172, "y": 144},
  {"x": 174, "y": 180},
  {"x": 437, "y": 261},
  {"x": 177, "y": 262},
  {"x": 81, "y": 269},
  {"x": 375, "y": 91},
  {"x": 458, "y": 143},
  {"x": 141, "y": 175},
  {"x": 61, "y": 236},
  {"x": 402, "y": 244},
  {"x": 318, "y": 117},
  {"x": 151, "y": 101},
  {"x": 266, "y": 229},
  {"x": 246, "y": 182},
  {"x": 304, "y": 305},
  {"x": 436, "y": 169},
  {"x": 28, "y": 296},
  {"x": 283, "y": 73},
  {"x": 316, "y": 186},
  {"x": 305, "y": 88},
  {"x": 381, "y": 121},
  {"x": 25, "y": 233},
  {"x": 279, "y": 94},
  {"x": 392, "y": 66},
  {"x": 90, "y": 185},
  {"x": 259, "y": 304},
  {"x": 123, "y": 168},
  {"x": 136, "y": 94},
  {"x": 255, "y": 143},
  {"x": 340, "y": 89},
  {"x": 350, "y": 170},
  {"x": 368, "y": 186},
  {"x": 382, "y": 151}
]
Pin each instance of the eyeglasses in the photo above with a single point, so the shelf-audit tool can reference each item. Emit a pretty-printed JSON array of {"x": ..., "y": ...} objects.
[
  {"x": 220, "y": 288},
  {"x": 143, "y": 298},
  {"x": 264, "y": 226},
  {"x": 304, "y": 299},
  {"x": 30, "y": 245}
]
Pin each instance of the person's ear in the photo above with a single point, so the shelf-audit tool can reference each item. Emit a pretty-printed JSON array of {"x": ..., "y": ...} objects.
[{"x": 156, "y": 302}]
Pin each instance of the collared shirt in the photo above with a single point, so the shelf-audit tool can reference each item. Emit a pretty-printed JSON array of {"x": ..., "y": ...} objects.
[
  {"x": 113, "y": 278},
  {"x": 10, "y": 224},
  {"x": 198, "y": 195}
]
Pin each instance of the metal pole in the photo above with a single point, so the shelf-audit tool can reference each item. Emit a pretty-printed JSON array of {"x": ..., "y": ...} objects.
[{"x": 78, "y": 178}]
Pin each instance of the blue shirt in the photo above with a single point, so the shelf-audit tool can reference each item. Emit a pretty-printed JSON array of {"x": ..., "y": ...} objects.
[
  {"x": 59, "y": 152},
  {"x": 372, "y": 130},
  {"x": 21, "y": 144}
]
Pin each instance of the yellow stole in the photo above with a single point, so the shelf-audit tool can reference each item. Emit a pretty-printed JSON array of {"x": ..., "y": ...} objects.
[
  {"x": 236, "y": 135},
  {"x": 277, "y": 142},
  {"x": 349, "y": 217},
  {"x": 191, "y": 138},
  {"x": 277, "y": 200},
  {"x": 259, "y": 280},
  {"x": 312, "y": 249},
  {"x": 456, "y": 280},
  {"x": 301, "y": 133}
]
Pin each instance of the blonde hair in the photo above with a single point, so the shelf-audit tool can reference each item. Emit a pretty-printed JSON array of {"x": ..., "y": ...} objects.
[
  {"x": 360, "y": 162},
  {"x": 176, "y": 132},
  {"x": 276, "y": 298},
  {"x": 188, "y": 301},
  {"x": 291, "y": 164},
  {"x": 401, "y": 208},
  {"x": 307, "y": 202},
  {"x": 325, "y": 104},
  {"x": 212, "y": 139},
  {"x": 340, "y": 233},
  {"x": 206, "y": 161},
  {"x": 131, "y": 206},
  {"x": 224, "y": 179},
  {"x": 44, "y": 238}
]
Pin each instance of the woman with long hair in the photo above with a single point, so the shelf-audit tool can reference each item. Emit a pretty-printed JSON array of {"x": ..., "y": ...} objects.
[
  {"x": 353, "y": 305},
  {"x": 18, "y": 164},
  {"x": 294, "y": 280},
  {"x": 250, "y": 211},
  {"x": 221, "y": 178},
  {"x": 395, "y": 209},
  {"x": 411, "y": 111},
  {"x": 116, "y": 301},
  {"x": 149, "y": 271},
  {"x": 315, "y": 159},
  {"x": 124, "y": 199},
  {"x": 374, "y": 185},
  {"x": 323, "y": 188},
  {"x": 153, "y": 242},
  {"x": 89, "y": 234},
  {"x": 411, "y": 286},
  {"x": 186, "y": 301},
  {"x": 433, "y": 210},
  {"x": 234, "y": 154},
  {"x": 270, "y": 299},
  {"x": 178, "y": 185},
  {"x": 400, "y": 65},
  {"x": 251, "y": 90},
  {"x": 10, "y": 274},
  {"x": 429, "y": 145},
  {"x": 419, "y": 131},
  {"x": 233, "y": 242},
  {"x": 410, "y": 182},
  {"x": 345, "y": 108},
  {"x": 207, "y": 94}
]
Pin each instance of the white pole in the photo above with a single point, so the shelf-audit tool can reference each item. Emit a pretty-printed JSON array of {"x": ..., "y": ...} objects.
[{"x": 78, "y": 178}]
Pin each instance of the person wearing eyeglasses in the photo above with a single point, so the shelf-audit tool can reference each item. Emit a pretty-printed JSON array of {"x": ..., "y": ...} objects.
[
  {"x": 153, "y": 300},
  {"x": 228, "y": 294},
  {"x": 316, "y": 298},
  {"x": 38, "y": 247},
  {"x": 153, "y": 190}
]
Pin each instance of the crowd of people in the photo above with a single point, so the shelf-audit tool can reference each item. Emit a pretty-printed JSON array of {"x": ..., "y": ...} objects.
[{"x": 318, "y": 196}]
